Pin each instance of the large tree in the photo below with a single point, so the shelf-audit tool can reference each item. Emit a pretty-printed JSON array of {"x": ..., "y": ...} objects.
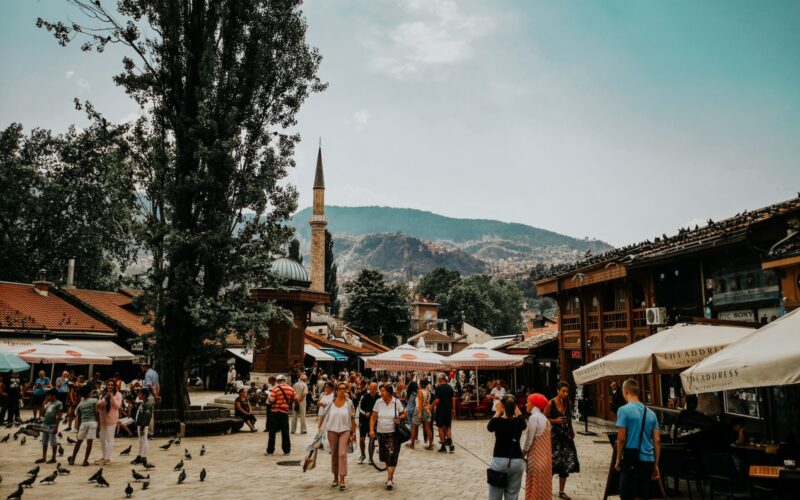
[
  {"x": 220, "y": 84},
  {"x": 331, "y": 274},
  {"x": 376, "y": 308},
  {"x": 66, "y": 195}
]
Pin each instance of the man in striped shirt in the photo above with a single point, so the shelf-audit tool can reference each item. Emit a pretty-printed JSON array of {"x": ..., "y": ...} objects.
[{"x": 281, "y": 400}]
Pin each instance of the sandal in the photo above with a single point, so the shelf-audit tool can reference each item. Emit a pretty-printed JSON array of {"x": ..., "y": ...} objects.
[
  {"x": 335, "y": 483},
  {"x": 563, "y": 495},
  {"x": 342, "y": 487},
  {"x": 410, "y": 445}
]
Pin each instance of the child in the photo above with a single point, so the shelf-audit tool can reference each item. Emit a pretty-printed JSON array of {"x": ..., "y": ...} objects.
[
  {"x": 143, "y": 416},
  {"x": 52, "y": 411},
  {"x": 86, "y": 423}
]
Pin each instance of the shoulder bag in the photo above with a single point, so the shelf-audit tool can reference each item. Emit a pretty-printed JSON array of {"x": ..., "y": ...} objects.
[
  {"x": 401, "y": 430},
  {"x": 630, "y": 456},
  {"x": 496, "y": 478}
]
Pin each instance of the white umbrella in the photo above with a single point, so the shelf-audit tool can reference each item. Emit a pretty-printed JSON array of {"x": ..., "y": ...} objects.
[
  {"x": 479, "y": 356},
  {"x": 405, "y": 358},
  {"x": 58, "y": 351},
  {"x": 768, "y": 357},
  {"x": 672, "y": 349}
]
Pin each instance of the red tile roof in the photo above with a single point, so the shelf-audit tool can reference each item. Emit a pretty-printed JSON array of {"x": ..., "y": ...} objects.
[
  {"x": 431, "y": 336},
  {"x": 22, "y": 308},
  {"x": 112, "y": 306},
  {"x": 335, "y": 344}
]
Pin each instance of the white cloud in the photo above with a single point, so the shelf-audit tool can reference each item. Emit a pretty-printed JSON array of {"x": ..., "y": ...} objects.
[
  {"x": 360, "y": 118},
  {"x": 69, "y": 74},
  {"x": 435, "y": 32}
]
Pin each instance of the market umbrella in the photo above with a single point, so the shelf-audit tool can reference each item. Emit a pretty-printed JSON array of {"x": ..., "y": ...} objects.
[
  {"x": 10, "y": 362},
  {"x": 58, "y": 351},
  {"x": 479, "y": 356},
  {"x": 675, "y": 348},
  {"x": 406, "y": 358},
  {"x": 768, "y": 357}
]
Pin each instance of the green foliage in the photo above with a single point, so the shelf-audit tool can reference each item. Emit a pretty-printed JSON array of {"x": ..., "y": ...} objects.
[
  {"x": 376, "y": 308},
  {"x": 331, "y": 272},
  {"x": 294, "y": 250},
  {"x": 493, "y": 305},
  {"x": 221, "y": 83},
  {"x": 67, "y": 195}
]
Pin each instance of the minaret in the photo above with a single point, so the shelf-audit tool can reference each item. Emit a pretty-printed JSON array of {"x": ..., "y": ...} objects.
[{"x": 318, "y": 224}]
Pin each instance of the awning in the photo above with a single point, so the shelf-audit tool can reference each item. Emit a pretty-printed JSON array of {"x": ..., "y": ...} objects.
[
  {"x": 336, "y": 354},
  {"x": 317, "y": 354},
  {"x": 106, "y": 348},
  {"x": 58, "y": 351},
  {"x": 239, "y": 353}
]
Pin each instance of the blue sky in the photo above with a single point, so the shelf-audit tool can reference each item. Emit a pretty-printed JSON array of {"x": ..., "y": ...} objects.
[{"x": 616, "y": 119}]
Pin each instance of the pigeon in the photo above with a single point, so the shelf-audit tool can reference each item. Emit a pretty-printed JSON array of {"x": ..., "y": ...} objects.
[
  {"x": 61, "y": 471},
  {"x": 136, "y": 476},
  {"x": 50, "y": 479},
  {"x": 70, "y": 440},
  {"x": 181, "y": 476},
  {"x": 23, "y": 441},
  {"x": 96, "y": 475},
  {"x": 60, "y": 451},
  {"x": 16, "y": 495},
  {"x": 34, "y": 471},
  {"x": 166, "y": 446},
  {"x": 178, "y": 466},
  {"x": 203, "y": 475},
  {"x": 177, "y": 442},
  {"x": 101, "y": 481},
  {"x": 128, "y": 490},
  {"x": 60, "y": 436},
  {"x": 186, "y": 454},
  {"x": 146, "y": 483},
  {"x": 5, "y": 439},
  {"x": 202, "y": 450},
  {"x": 28, "y": 483},
  {"x": 16, "y": 436},
  {"x": 147, "y": 465},
  {"x": 126, "y": 451}
]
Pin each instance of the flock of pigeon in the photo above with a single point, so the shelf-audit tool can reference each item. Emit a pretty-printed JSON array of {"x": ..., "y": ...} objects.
[{"x": 96, "y": 478}]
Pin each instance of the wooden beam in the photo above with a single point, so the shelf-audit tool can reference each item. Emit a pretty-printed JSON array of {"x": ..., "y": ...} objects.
[{"x": 788, "y": 261}]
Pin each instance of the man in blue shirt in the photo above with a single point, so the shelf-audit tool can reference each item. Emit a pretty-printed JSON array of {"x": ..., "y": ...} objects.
[
  {"x": 150, "y": 381},
  {"x": 40, "y": 387},
  {"x": 635, "y": 477}
]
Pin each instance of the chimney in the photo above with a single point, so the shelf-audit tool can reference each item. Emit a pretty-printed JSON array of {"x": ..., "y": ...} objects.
[
  {"x": 41, "y": 285},
  {"x": 70, "y": 274}
]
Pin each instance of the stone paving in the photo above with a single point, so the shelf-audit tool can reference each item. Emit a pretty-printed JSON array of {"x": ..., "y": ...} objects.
[{"x": 238, "y": 468}]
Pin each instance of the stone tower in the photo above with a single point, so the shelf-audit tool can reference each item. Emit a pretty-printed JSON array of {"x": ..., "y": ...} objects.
[{"x": 318, "y": 224}]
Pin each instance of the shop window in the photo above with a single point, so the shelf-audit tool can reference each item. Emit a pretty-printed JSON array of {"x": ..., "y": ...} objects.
[
  {"x": 743, "y": 402},
  {"x": 614, "y": 299},
  {"x": 572, "y": 305}
]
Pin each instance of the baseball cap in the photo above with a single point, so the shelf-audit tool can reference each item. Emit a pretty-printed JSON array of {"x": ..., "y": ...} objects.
[
  {"x": 324, "y": 375},
  {"x": 281, "y": 377}
]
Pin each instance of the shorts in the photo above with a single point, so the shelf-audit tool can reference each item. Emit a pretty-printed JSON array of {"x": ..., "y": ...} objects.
[
  {"x": 363, "y": 426},
  {"x": 444, "y": 418},
  {"x": 634, "y": 482},
  {"x": 420, "y": 417},
  {"x": 126, "y": 421},
  {"x": 87, "y": 430},
  {"x": 49, "y": 437},
  {"x": 37, "y": 400}
]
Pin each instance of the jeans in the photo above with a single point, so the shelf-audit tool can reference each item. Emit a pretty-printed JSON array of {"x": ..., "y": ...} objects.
[
  {"x": 514, "y": 471},
  {"x": 279, "y": 422}
]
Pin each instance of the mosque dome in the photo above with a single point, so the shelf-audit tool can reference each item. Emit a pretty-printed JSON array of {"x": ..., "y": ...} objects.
[{"x": 291, "y": 272}]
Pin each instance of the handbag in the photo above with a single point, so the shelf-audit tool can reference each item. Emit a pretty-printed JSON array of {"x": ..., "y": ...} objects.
[
  {"x": 311, "y": 460},
  {"x": 630, "y": 456},
  {"x": 401, "y": 430},
  {"x": 496, "y": 478}
]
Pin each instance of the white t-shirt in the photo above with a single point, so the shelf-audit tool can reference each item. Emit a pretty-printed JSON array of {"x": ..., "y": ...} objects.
[
  {"x": 231, "y": 376},
  {"x": 386, "y": 414},
  {"x": 340, "y": 419},
  {"x": 324, "y": 401},
  {"x": 498, "y": 393}
]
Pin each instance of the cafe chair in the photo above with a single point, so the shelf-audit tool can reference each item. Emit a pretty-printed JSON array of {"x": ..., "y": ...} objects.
[
  {"x": 678, "y": 463},
  {"x": 464, "y": 409},
  {"x": 723, "y": 479}
]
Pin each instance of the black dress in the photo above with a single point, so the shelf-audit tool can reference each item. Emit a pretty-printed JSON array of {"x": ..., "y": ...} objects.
[{"x": 565, "y": 456}]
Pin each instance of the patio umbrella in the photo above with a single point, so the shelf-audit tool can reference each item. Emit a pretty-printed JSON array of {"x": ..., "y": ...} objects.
[
  {"x": 10, "y": 362},
  {"x": 479, "y": 356},
  {"x": 768, "y": 357},
  {"x": 675, "y": 348},
  {"x": 58, "y": 351},
  {"x": 406, "y": 358}
]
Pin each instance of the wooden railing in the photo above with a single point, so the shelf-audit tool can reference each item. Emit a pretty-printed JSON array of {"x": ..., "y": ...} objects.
[
  {"x": 615, "y": 320},
  {"x": 571, "y": 323}
]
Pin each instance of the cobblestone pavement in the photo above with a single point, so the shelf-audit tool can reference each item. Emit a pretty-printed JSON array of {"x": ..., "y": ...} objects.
[{"x": 238, "y": 468}]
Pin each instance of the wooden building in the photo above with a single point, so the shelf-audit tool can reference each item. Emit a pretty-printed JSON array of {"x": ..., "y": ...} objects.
[{"x": 739, "y": 269}]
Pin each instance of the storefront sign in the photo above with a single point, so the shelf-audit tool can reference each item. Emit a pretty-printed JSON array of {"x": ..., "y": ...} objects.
[
  {"x": 747, "y": 315},
  {"x": 575, "y": 354}
]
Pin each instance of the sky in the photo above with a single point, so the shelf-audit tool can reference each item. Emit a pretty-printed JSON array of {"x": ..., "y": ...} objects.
[{"x": 616, "y": 120}]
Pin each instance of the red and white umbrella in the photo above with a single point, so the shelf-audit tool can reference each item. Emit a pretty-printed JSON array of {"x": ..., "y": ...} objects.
[
  {"x": 58, "y": 351},
  {"x": 406, "y": 358},
  {"x": 478, "y": 356}
]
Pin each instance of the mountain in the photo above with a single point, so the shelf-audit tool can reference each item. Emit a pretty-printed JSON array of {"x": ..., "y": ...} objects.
[{"x": 409, "y": 241}]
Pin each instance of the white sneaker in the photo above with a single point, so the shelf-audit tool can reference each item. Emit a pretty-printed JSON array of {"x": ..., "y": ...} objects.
[
  {"x": 389, "y": 485},
  {"x": 362, "y": 459}
]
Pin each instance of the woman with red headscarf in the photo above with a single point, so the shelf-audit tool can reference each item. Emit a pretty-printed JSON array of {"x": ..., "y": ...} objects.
[{"x": 537, "y": 451}]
